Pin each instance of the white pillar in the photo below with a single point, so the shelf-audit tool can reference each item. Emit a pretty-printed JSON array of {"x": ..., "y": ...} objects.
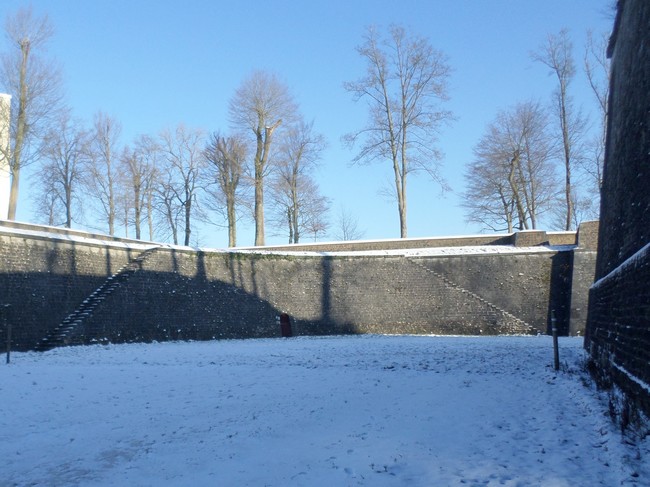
[{"x": 5, "y": 179}]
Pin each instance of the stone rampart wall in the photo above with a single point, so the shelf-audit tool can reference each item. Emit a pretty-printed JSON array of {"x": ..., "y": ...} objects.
[
  {"x": 181, "y": 293},
  {"x": 44, "y": 279},
  {"x": 203, "y": 295}
]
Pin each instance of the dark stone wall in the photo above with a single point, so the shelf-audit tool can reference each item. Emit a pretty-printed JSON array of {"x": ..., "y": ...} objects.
[
  {"x": 625, "y": 202},
  {"x": 43, "y": 279},
  {"x": 618, "y": 330},
  {"x": 204, "y": 295},
  {"x": 180, "y": 293},
  {"x": 583, "y": 270}
]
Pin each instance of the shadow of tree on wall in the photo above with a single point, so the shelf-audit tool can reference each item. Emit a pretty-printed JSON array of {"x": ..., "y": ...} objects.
[
  {"x": 559, "y": 303},
  {"x": 46, "y": 280},
  {"x": 180, "y": 294},
  {"x": 326, "y": 289},
  {"x": 182, "y": 304}
]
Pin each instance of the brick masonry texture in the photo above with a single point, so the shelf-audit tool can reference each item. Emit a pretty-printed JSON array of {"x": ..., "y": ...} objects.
[
  {"x": 188, "y": 294},
  {"x": 618, "y": 330}
]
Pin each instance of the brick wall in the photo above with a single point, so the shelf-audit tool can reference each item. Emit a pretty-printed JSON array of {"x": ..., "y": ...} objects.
[{"x": 618, "y": 331}]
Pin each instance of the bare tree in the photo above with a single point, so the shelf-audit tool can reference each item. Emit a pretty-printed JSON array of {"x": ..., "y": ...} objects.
[
  {"x": 102, "y": 167},
  {"x": 348, "y": 227},
  {"x": 166, "y": 203},
  {"x": 47, "y": 206},
  {"x": 597, "y": 69},
  {"x": 488, "y": 198},
  {"x": 225, "y": 165},
  {"x": 182, "y": 151},
  {"x": 296, "y": 192},
  {"x": 405, "y": 83},
  {"x": 5, "y": 171},
  {"x": 260, "y": 105},
  {"x": 124, "y": 204},
  {"x": 65, "y": 149},
  {"x": 35, "y": 87},
  {"x": 313, "y": 210},
  {"x": 556, "y": 54},
  {"x": 511, "y": 181},
  {"x": 145, "y": 175},
  {"x": 140, "y": 175},
  {"x": 133, "y": 185},
  {"x": 299, "y": 208}
]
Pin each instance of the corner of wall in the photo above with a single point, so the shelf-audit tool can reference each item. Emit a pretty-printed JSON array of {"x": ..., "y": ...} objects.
[{"x": 588, "y": 235}]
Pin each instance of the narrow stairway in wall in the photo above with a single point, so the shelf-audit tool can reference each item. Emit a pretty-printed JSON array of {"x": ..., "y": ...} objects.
[
  {"x": 66, "y": 331},
  {"x": 508, "y": 322}
]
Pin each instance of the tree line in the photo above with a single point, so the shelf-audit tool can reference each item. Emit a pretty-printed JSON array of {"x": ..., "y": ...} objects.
[
  {"x": 157, "y": 185},
  {"x": 263, "y": 168},
  {"x": 537, "y": 160}
]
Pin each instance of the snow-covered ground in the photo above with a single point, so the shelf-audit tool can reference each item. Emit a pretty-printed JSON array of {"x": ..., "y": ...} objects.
[{"x": 334, "y": 411}]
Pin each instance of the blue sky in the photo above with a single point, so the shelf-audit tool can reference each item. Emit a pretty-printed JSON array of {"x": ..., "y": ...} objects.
[{"x": 155, "y": 63}]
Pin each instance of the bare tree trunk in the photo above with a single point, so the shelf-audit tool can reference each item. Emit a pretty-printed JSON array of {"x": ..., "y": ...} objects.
[
  {"x": 524, "y": 198},
  {"x": 290, "y": 221},
  {"x": 232, "y": 224},
  {"x": 521, "y": 212},
  {"x": 402, "y": 200},
  {"x": 13, "y": 195},
  {"x": 295, "y": 206},
  {"x": 111, "y": 195},
  {"x": 111, "y": 219},
  {"x": 294, "y": 221},
  {"x": 137, "y": 211},
  {"x": 506, "y": 211},
  {"x": 169, "y": 212},
  {"x": 259, "y": 206},
  {"x": 261, "y": 159},
  {"x": 150, "y": 214},
  {"x": 567, "y": 167},
  {"x": 188, "y": 227},
  {"x": 126, "y": 219},
  {"x": 20, "y": 132},
  {"x": 68, "y": 206},
  {"x": 401, "y": 203}
]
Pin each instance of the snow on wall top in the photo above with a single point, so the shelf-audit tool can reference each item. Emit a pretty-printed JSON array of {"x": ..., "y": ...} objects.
[{"x": 91, "y": 239}]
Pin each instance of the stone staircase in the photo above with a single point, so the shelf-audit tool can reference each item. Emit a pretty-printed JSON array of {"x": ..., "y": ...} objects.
[
  {"x": 67, "y": 332},
  {"x": 509, "y": 323}
]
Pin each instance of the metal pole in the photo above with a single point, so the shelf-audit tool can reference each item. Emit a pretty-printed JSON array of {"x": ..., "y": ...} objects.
[
  {"x": 556, "y": 352},
  {"x": 9, "y": 343},
  {"x": 8, "y": 326}
]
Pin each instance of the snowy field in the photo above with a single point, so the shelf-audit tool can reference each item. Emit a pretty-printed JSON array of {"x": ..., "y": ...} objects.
[{"x": 335, "y": 411}]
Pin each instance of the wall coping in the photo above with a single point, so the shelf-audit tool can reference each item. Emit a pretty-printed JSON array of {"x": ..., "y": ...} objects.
[{"x": 524, "y": 240}]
